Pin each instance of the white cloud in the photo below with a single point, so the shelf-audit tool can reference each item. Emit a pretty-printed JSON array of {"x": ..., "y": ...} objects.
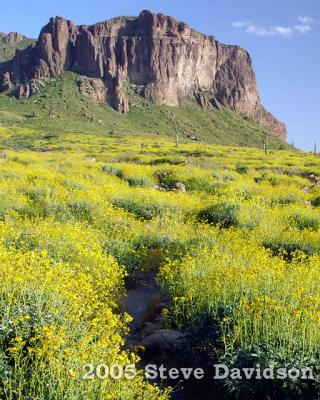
[
  {"x": 303, "y": 27},
  {"x": 305, "y": 20}
]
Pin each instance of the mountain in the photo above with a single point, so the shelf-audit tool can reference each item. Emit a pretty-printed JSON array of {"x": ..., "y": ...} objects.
[
  {"x": 10, "y": 38},
  {"x": 10, "y": 43},
  {"x": 152, "y": 55}
]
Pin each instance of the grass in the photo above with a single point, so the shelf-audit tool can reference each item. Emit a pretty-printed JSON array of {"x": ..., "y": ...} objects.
[
  {"x": 59, "y": 108},
  {"x": 7, "y": 51}
]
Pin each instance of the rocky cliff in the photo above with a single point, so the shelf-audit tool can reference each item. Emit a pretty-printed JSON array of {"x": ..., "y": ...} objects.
[
  {"x": 160, "y": 58},
  {"x": 10, "y": 38}
]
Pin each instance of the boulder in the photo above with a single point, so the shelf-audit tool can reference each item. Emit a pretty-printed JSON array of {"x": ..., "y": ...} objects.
[
  {"x": 164, "y": 339},
  {"x": 180, "y": 187}
]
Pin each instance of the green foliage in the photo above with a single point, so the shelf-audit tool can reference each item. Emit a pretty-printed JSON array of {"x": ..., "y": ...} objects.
[
  {"x": 316, "y": 202},
  {"x": 142, "y": 181},
  {"x": 286, "y": 200},
  {"x": 7, "y": 51},
  {"x": 198, "y": 184},
  {"x": 113, "y": 171},
  {"x": 305, "y": 222},
  {"x": 242, "y": 168},
  {"x": 223, "y": 214},
  {"x": 59, "y": 107},
  {"x": 145, "y": 211},
  {"x": 263, "y": 357},
  {"x": 290, "y": 250},
  {"x": 166, "y": 178}
]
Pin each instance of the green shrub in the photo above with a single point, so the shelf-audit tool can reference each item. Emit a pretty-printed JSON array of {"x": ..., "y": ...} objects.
[
  {"x": 316, "y": 202},
  {"x": 286, "y": 200},
  {"x": 264, "y": 356},
  {"x": 198, "y": 185},
  {"x": 171, "y": 161},
  {"x": 289, "y": 250},
  {"x": 260, "y": 178},
  {"x": 273, "y": 180},
  {"x": 109, "y": 169},
  {"x": 304, "y": 222},
  {"x": 242, "y": 168},
  {"x": 228, "y": 178},
  {"x": 141, "y": 210},
  {"x": 142, "y": 181},
  {"x": 81, "y": 210},
  {"x": 223, "y": 214},
  {"x": 166, "y": 178}
]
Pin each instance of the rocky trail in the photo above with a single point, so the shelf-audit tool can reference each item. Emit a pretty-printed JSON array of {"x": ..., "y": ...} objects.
[
  {"x": 147, "y": 329},
  {"x": 138, "y": 303}
]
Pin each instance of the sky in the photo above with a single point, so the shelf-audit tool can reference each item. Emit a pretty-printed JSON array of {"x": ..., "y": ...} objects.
[{"x": 282, "y": 37}]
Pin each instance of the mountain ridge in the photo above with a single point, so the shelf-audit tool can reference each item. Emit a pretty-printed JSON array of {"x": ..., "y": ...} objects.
[
  {"x": 164, "y": 60},
  {"x": 10, "y": 42}
]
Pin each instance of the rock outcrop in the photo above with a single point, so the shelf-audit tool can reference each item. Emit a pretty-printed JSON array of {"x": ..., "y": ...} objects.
[
  {"x": 10, "y": 38},
  {"x": 163, "y": 59}
]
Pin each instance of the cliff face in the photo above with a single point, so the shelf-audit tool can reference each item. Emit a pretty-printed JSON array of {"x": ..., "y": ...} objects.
[
  {"x": 10, "y": 38},
  {"x": 163, "y": 59}
]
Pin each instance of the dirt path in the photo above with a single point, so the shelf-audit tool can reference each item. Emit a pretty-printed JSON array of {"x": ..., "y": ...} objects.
[
  {"x": 137, "y": 304},
  {"x": 140, "y": 304}
]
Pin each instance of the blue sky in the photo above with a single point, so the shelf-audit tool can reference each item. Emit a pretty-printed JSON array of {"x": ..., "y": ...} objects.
[{"x": 282, "y": 37}]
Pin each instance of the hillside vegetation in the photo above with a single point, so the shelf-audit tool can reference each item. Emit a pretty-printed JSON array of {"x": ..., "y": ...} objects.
[
  {"x": 238, "y": 257},
  {"x": 7, "y": 51},
  {"x": 59, "y": 107}
]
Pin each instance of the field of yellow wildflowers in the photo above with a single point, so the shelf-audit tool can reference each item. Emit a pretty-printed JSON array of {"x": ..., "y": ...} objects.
[{"x": 239, "y": 255}]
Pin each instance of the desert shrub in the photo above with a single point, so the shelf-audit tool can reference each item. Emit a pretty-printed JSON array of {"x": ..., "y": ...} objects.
[
  {"x": 245, "y": 193},
  {"x": 125, "y": 253},
  {"x": 282, "y": 146},
  {"x": 81, "y": 210},
  {"x": 289, "y": 250},
  {"x": 316, "y": 202},
  {"x": 242, "y": 168},
  {"x": 142, "y": 181},
  {"x": 198, "y": 184},
  {"x": 10, "y": 201},
  {"x": 166, "y": 178},
  {"x": 144, "y": 210},
  {"x": 129, "y": 158},
  {"x": 273, "y": 180},
  {"x": 73, "y": 185},
  {"x": 304, "y": 222},
  {"x": 223, "y": 214},
  {"x": 228, "y": 178},
  {"x": 38, "y": 195},
  {"x": 260, "y": 178},
  {"x": 39, "y": 204},
  {"x": 218, "y": 188},
  {"x": 170, "y": 161},
  {"x": 286, "y": 200},
  {"x": 266, "y": 356},
  {"x": 113, "y": 171}
]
